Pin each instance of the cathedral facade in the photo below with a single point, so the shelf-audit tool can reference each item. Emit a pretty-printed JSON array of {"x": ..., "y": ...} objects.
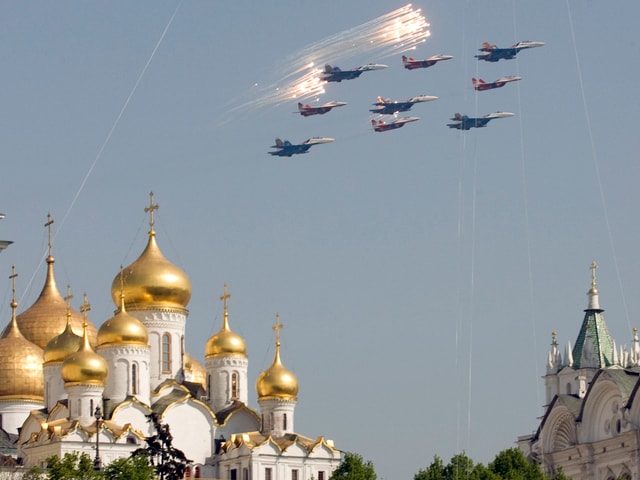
[
  {"x": 66, "y": 386},
  {"x": 590, "y": 428}
]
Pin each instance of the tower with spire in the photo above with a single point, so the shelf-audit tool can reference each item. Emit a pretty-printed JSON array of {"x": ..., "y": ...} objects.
[
  {"x": 226, "y": 363},
  {"x": 157, "y": 293},
  {"x": 591, "y": 422}
]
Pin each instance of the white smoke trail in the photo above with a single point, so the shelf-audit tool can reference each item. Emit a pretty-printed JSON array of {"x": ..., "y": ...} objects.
[{"x": 395, "y": 32}]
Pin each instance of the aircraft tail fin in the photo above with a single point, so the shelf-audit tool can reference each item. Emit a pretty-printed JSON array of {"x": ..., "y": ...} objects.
[
  {"x": 404, "y": 59},
  {"x": 279, "y": 143},
  {"x": 328, "y": 68},
  {"x": 300, "y": 106},
  {"x": 379, "y": 99}
]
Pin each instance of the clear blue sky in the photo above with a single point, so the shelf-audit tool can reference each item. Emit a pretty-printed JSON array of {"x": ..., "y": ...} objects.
[{"x": 418, "y": 272}]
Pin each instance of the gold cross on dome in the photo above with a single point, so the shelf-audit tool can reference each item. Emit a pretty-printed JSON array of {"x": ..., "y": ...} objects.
[
  {"x": 48, "y": 225},
  {"x": 150, "y": 209},
  {"x": 276, "y": 328},
  {"x": 13, "y": 279},
  {"x": 86, "y": 306},
  {"x": 226, "y": 296}
]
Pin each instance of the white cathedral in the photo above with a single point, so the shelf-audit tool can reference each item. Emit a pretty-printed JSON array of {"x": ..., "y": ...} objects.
[
  {"x": 67, "y": 387},
  {"x": 590, "y": 428}
]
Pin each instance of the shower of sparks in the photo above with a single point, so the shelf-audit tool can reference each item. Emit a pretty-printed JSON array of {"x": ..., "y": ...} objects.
[{"x": 398, "y": 31}]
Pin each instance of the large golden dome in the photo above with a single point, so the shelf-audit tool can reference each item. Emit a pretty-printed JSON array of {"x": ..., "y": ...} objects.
[
  {"x": 152, "y": 282},
  {"x": 85, "y": 367},
  {"x": 63, "y": 345},
  {"x": 225, "y": 342},
  {"x": 123, "y": 328},
  {"x": 276, "y": 381},
  {"x": 20, "y": 364},
  {"x": 47, "y": 317}
]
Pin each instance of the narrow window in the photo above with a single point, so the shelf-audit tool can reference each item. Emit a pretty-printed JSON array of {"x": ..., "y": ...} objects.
[
  {"x": 166, "y": 353},
  {"x": 134, "y": 379},
  {"x": 91, "y": 406},
  {"x": 233, "y": 474},
  {"x": 267, "y": 474},
  {"x": 197, "y": 473},
  {"x": 234, "y": 385},
  {"x": 321, "y": 475},
  {"x": 245, "y": 474},
  {"x": 294, "y": 474},
  {"x": 568, "y": 388},
  {"x": 284, "y": 422}
]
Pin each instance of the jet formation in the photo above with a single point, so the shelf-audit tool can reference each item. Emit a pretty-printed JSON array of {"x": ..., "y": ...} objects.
[{"x": 489, "y": 53}]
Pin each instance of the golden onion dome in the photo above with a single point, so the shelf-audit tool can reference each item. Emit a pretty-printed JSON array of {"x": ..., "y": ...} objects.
[
  {"x": 85, "y": 367},
  {"x": 21, "y": 374},
  {"x": 152, "y": 282},
  {"x": 276, "y": 381},
  {"x": 225, "y": 342},
  {"x": 47, "y": 317},
  {"x": 123, "y": 328},
  {"x": 194, "y": 371},
  {"x": 63, "y": 345}
]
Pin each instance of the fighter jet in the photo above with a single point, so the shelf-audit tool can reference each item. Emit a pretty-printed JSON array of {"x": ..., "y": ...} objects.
[
  {"x": 480, "y": 85},
  {"x": 411, "y": 64},
  {"x": 286, "y": 148},
  {"x": 381, "y": 126},
  {"x": 491, "y": 53},
  {"x": 334, "y": 74},
  {"x": 462, "y": 122},
  {"x": 388, "y": 107},
  {"x": 307, "y": 110}
]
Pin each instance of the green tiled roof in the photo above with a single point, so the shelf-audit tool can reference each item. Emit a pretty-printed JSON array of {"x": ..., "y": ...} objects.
[{"x": 593, "y": 341}]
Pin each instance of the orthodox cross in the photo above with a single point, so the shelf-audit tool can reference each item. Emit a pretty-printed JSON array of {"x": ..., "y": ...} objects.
[
  {"x": 48, "y": 225},
  {"x": 593, "y": 267},
  {"x": 13, "y": 280},
  {"x": 86, "y": 306},
  {"x": 226, "y": 296},
  {"x": 276, "y": 328},
  {"x": 69, "y": 296},
  {"x": 151, "y": 208}
]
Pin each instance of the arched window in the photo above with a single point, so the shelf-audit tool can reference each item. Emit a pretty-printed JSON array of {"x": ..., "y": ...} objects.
[
  {"x": 134, "y": 379},
  {"x": 568, "y": 388},
  {"x": 284, "y": 422},
  {"x": 166, "y": 353},
  {"x": 234, "y": 385}
]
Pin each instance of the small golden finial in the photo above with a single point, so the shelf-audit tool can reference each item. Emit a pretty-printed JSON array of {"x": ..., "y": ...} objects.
[
  {"x": 226, "y": 296},
  {"x": 593, "y": 267},
  {"x": 48, "y": 225},
  {"x": 276, "y": 328},
  {"x": 150, "y": 209}
]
